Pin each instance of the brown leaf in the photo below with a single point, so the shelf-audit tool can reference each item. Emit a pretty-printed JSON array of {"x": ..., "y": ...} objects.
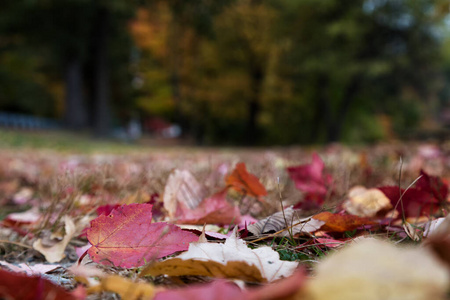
[
  {"x": 179, "y": 267},
  {"x": 182, "y": 190},
  {"x": 341, "y": 223},
  {"x": 127, "y": 289},
  {"x": 265, "y": 259},
  {"x": 244, "y": 182},
  {"x": 54, "y": 252}
]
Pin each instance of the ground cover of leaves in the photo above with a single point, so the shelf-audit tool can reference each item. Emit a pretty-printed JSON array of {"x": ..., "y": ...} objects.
[{"x": 289, "y": 223}]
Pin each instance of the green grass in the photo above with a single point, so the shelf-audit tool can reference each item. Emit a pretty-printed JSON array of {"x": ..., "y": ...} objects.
[{"x": 61, "y": 141}]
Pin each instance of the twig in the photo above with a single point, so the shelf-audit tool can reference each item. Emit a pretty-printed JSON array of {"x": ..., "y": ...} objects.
[{"x": 16, "y": 243}]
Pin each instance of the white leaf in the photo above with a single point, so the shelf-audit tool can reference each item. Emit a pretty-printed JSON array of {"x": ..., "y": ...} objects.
[{"x": 234, "y": 249}]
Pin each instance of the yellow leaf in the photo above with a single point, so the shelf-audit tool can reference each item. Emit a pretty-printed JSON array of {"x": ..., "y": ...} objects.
[
  {"x": 179, "y": 267},
  {"x": 127, "y": 289}
]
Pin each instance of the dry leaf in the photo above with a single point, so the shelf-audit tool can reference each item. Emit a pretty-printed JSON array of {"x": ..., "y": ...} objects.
[
  {"x": 341, "y": 223},
  {"x": 278, "y": 221},
  {"x": 55, "y": 252},
  {"x": 182, "y": 189},
  {"x": 364, "y": 202},
  {"x": 439, "y": 241},
  {"x": 235, "y": 250},
  {"x": 127, "y": 289},
  {"x": 372, "y": 269},
  {"x": 246, "y": 183},
  {"x": 196, "y": 267}
]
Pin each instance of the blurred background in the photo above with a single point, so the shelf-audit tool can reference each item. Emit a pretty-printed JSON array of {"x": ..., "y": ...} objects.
[{"x": 228, "y": 72}]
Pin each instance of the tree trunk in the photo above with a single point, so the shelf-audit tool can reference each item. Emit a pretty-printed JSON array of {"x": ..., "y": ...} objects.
[
  {"x": 254, "y": 104},
  {"x": 322, "y": 116},
  {"x": 334, "y": 131},
  {"x": 75, "y": 111},
  {"x": 102, "y": 110}
]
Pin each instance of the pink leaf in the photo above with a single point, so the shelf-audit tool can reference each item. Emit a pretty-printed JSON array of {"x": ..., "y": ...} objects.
[
  {"x": 212, "y": 210},
  {"x": 127, "y": 238},
  {"x": 217, "y": 290},
  {"x": 310, "y": 178}
]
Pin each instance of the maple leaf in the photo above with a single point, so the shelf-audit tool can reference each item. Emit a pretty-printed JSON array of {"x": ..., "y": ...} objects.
[
  {"x": 341, "y": 223},
  {"x": 127, "y": 238},
  {"x": 20, "y": 286},
  {"x": 433, "y": 185},
  {"x": 246, "y": 183},
  {"x": 310, "y": 178},
  {"x": 212, "y": 210},
  {"x": 414, "y": 202},
  {"x": 106, "y": 209}
]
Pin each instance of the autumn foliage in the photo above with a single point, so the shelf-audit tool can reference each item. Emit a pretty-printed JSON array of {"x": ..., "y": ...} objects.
[{"x": 215, "y": 227}]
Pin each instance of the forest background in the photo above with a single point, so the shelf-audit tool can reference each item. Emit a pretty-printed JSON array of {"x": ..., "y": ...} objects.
[{"x": 243, "y": 72}]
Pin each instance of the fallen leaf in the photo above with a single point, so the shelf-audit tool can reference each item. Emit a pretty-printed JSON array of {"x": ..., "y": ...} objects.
[
  {"x": 235, "y": 250},
  {"x": 414, "y": 202},
  {"x": 373, "y": 269},
  {"x": 341, "y": 223},
  {"x": 54, "y": 252},
  {"x": 433, "y": 185},
  {"x": 311, "y": 202},
  {"x": 127, "y": 238},
  {"x": 439, "y": 240},
  {"x": 36, "y": 269},
  {"x": 364, "y": 202},
  {"x": 212, "y": 210},
  {"x": 217, "y": 290},
  {"x": 106, "y": 209},
  {"x": 282, "y": 289},
  {"x": 310, "y": 178},
  {"x": 26, "y": 217},
  {"x": 196, "y": 267},
  {"x": 279, "y": 220},
  {"x": 182, "y": 191},
  {"x": 245, "y": 183},
  {"x": 127, "y": 289},
  {"x": 20, "y": 286}
]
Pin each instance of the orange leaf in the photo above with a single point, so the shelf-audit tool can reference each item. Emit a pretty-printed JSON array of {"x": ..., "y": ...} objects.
[
  {"x": 244, "y": 182},
  {"x": 341, "y": 223}
]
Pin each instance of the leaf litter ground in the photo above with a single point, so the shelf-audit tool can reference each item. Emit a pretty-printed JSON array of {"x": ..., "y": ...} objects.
[{"x": 95, "y": 225}]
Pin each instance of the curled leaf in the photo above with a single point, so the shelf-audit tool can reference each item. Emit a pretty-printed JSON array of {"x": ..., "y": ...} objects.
[{"x": 244, "y": 182}]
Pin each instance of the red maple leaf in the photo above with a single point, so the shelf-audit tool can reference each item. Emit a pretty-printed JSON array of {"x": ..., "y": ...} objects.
[
  {"x": 127, "y": 238},
  {"x": 311, "y": 179},
  {"x": 433, "y": 185},
  {"x": 414, "y": 202},
  {"x": 244, "y": 182}
]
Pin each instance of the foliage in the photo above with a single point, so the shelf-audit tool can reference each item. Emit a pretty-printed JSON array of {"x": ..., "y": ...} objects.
[{"x": 231, "y": 71}]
